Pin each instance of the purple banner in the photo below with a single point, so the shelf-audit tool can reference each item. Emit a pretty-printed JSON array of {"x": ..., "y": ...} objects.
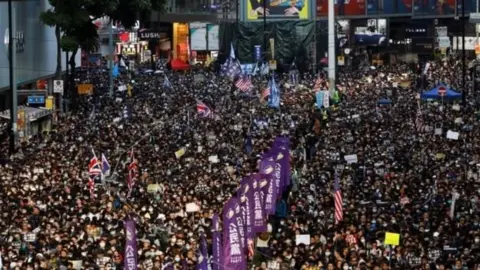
[
  {"x": 233, "y": 253},
  {"x": 259, "y": 219},
  {"x": 202, "y": 263},
  {"x": 269, "y": 167},
  {"x": 216, "y": 244},
  {"x": 130, "y": 256},
  {"x": 283, "y": 145},
  {"x": 245, "y": 193}
]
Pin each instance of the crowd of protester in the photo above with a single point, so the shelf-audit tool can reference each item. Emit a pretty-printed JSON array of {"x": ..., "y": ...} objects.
[{"x": 405, "y": 180}]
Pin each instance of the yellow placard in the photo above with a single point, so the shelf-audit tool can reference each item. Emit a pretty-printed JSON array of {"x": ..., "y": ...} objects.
[
  {"x": 180, "y": 153},
  {"x": 286, "y": 9},
  {"x": 85, "y": 89},
  {"x": 392, "y": 239},
  {"x": 50, "y": 103},
  {"x": 153, "y": 188},
  {"x": 272, "y": 65}
]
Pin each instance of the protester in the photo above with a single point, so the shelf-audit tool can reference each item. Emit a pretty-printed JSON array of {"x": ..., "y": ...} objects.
[{"x": 176, "y": 141}]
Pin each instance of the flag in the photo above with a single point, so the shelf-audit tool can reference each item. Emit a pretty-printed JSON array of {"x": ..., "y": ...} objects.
[
  {"x": 115, "y": 71},
  {"x": 105, "y": 165},
  {"x": 129, "y": 90},
  {"x": 231, "y": 68},
  {"x": 94, "y": 171},
  {"x": 244, "y": 83},
  {"x": 274, "y": 100},
  {"x": 166, "y": 83},
  {"x": 216, "y": 243},
  {"x": 92, "y": 114},
  {"x": 266, "y": 92},
  {"x": 202, "y": 257},
  {"x": 245, "y": 193},
  {"x": 132, "y": 172},
  {"x": 338, "y": 199},
  {"x": 419, "y": 121},
  {"x": 265, "y": 69},
  {"x": 130, "y": 254},
  {"x": 267, "y": 169},
  {"x": 127, "y": 111},
  {"x": 318, "y": 85},
  {"x": 233, "y": 236},
  {"x": 203, "y": 110},
  {"x": 248, "y": 144},
  {"x": 259, "y": 220}
]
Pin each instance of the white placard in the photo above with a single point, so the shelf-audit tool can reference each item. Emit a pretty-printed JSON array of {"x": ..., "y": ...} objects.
[
  {"x": 58, "y": 86},
  {"x": 452, "y": 135},
  {"x": 302, "y": 239},
  {"x": 30, "y": 237},
  {"x": 122, "y": 88},
  {"x": 438, "y": 131},
  {"x": 351, "y": 158},
  {"x": 192, "y": 207},
  {"x": 213, "y": 159}
]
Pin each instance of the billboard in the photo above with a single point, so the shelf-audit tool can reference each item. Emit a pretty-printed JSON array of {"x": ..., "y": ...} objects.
[
  {"x": 389, "y": 7},
  {"x": 433, "y": 7},
  {"x": 342, "y": 8},
  {"x": 286, "y": 9},
  {"x": 213, "y": 40},
  {"x": 423, "y": 45},
  {"x": 198, "y": 36},
  {"x": 470, "y": 6}
]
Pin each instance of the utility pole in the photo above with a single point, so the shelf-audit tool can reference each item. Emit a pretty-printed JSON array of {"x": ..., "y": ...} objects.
[
  {"x": 12, "y": 79},
  {"x": 110, "y": 58},
  {"x": 464, "y": 68},
  {"x": 331, "y": 45},
  {"x": 265, "y": 29}
]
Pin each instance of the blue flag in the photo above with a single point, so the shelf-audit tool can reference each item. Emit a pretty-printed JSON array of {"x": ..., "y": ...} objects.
[
  {"x": 115, "y": 71},
  {"x": 166, "y": 83},
  {"x": 319, "y": 96},
  {"x": 105, "y": 165},
  {"x": 274, "y": 99},
  {"x": 231, "y": 68},
  {"x": 202, "y": 259}
]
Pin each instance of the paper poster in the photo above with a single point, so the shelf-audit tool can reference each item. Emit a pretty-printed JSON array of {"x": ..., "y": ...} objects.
[
  {"x": 192, "y": 207},
  {"x": 153, "y": 188},
  {"x": 180, "y": 152},
  {"x": 351, "y": 158},
  {"x": 452, "y": 135},
  {"x": 302, "y": 239},
  {"x": 392, "y": 239}
]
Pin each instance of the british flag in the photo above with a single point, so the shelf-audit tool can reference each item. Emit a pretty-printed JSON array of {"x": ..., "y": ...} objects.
[
  {"x": 94, "y": 171},
  {"x": 318, "y": 85},
  {"x": 338, "y": 199},
  {"x": 203, "y": 110},
  {"x": 244, "y": 83}
]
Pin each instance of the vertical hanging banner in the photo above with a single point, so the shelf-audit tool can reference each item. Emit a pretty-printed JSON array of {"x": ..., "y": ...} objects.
[
  {"x": 389, "y": 7},
  {"x": 212, "y": 40},
  {"x": 433, "y": 7},
  {"x": 342, "y": 8},
  {"x": 198, "y": 36},
  {"x": 287, "y": 9},
  {"x": 258, "y": 52}
]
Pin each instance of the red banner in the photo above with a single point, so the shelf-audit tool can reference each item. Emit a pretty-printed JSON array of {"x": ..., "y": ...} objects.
[{"x": 342, "y": 8}]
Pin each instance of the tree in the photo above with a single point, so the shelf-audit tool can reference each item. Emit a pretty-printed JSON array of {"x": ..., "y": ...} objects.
[{"x": 74, "y": 27}]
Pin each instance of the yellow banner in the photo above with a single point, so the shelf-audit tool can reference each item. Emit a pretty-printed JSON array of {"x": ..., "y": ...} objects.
[
  {"x": 85, "y": 89},
  {"x": 50, "y": 103},
  {"x": 278, "y": 9}
]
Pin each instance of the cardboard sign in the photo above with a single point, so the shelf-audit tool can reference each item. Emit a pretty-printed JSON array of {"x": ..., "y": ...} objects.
[
  {"x": 392, "y": 239},
  {"x": 351, "y": 158},
  {"x": 85, "y": 89},
  {"x": 302, "y": 239},
  {"x": 192, "y": 207}
]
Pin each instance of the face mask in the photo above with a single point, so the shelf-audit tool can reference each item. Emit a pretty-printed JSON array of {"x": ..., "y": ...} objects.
[
  {"x": 102, "y": 244},
  {"x": 477, "y": 240},
  {"x": 177, "y": 259},
  {"x": 84, "y": 254},
  {"x": 327, "y": 253},
  {"x": 345, "y": 267}
]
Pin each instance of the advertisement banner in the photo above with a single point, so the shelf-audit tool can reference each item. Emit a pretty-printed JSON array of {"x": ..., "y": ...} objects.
[
  {"x": 342, "y": 8},
  {"x": 470, "y": 6},
  {"x": 389, "y": 7},
  {"x": 433, "y": 7},
  {"x": 198, "y": 36},
  {"x": 213, "y": 40},
  {"x": 286, "y": 9}
]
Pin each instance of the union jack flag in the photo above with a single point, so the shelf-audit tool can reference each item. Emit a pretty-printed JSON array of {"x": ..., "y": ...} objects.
[
  {"x": 318, "y": 85},
  {"x": 244, "y": 83},
  {"x": 203, "y": 110},
  {"x": 94, "y": 171},
  {"x": 338, "y": 199}
]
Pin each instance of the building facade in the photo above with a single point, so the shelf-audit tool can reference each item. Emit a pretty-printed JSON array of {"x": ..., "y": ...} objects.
[{"x": 36, "y": 49}]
